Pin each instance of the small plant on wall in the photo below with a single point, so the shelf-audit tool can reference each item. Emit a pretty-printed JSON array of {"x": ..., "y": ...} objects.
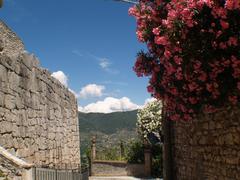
[{"x": 193, "y": 57}]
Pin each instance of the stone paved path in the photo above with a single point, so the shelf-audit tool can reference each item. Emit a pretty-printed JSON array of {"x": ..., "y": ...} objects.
[{"x": 120, "y": 178}]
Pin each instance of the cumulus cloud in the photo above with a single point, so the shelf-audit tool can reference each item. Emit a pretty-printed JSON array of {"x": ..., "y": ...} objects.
[
  {"x": 91, "y": 90},
  {"x": 59, "y": 75},
  {"x": 80, "y": 109},
  {"x": 109, "y": 105}
]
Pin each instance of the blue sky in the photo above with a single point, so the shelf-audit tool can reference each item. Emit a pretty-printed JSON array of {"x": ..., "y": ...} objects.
[{"x": 92, "y": 43}]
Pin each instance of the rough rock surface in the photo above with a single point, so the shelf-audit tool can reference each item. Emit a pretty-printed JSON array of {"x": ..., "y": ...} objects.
[
  {"x": 208, "y": 147},
  {"x": 38, "y": 115}
]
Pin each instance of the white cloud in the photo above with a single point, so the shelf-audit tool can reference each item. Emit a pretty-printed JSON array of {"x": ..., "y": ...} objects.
[
  {"x": 59, "y": 75},
  {"x": 75, "y": 94},
  {"x": 80, "y": 109},
  {"x": 109, "y": 105},
  {"x": 91, "y": 90},
  {"x": 104, "y": 63}
]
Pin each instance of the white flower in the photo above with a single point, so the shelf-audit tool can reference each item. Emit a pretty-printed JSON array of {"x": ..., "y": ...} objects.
[{"x": 149, "y": 119}]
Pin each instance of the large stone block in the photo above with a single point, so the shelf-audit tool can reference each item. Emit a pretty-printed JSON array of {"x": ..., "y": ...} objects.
[
  {"x": 13, "y": 80},
  {"x": 10, "y": 102},
  {"x": 3, "y": 73},
  {"x": 2, "y": 101}
]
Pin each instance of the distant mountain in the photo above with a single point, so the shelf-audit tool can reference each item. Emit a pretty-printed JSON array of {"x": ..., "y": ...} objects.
[
  {"x": 107, "y": 123},
  {"x": 110, "y": 129}
]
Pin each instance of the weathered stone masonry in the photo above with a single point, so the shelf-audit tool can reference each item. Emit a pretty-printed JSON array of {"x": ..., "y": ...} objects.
[
  {"x": 207, "y": 148},
  {"x": 38, "y": 115}
]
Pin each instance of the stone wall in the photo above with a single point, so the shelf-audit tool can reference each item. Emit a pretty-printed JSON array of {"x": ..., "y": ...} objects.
[
  {"x": 117, "y": 168},
  {"x": 38, "y": 115},
  {"x": 11, "y": 167},
  {"x": 10, "y": 170},
  {"x": 207, "y": 148},
  {"x": 106, "y": 168}
]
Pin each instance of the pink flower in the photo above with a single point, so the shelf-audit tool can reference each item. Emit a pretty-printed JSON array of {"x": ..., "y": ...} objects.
[
  {"x": 219, "y": 33},
  {"x": 167, "y": 54},
  {"x": 192, "y": 100},
  {"x": 210, "y": 87},
  {"x": 197, "y": 65},
  {"x": 190, "y": 23},
  {"x": 192, "y": 86},
  {"x": 178, "y": 60},
  {"x": 183, "y": 108},
  {"x": 177, "y": 49},
  {"x": 226, "y": 62},
  {"x": 156, "y": 31},
  {"x": 174, "y": 91},
  {"x": 183, "y": 73},
  {"x": 175, "y": 117},
  {"x": 224, "y": 24},
  {"x": 203, "y": 77},
  {"x": 186, "y": 13},
  {"x": 150, "y": 89},
  {"x": 179, "y": 74},
  {"x": 172, "y": 14},
  {"x": 170, "y": 69},
  {"x": 161, "y": 40},
  {"x": 232, "y": 4},
  {"x": 233, "y": 41},
  {"x": 140, "y": 36},
  {"x": 133, "y": 11},
  {"x": 167, "y": 23},
  {"x": 222, "y": 45}
]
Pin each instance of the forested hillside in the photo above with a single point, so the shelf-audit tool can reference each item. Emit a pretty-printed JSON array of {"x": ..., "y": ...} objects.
[
  {"x": 107, "y": 123},
  {"x": 110, "y": 129}
]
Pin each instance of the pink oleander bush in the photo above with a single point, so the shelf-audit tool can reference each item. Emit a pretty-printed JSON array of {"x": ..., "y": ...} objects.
[{"x": 193, "y": 57}]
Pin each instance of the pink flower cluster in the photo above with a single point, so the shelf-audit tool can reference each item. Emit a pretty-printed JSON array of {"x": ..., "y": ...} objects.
[{"x": 194, "y": 53}]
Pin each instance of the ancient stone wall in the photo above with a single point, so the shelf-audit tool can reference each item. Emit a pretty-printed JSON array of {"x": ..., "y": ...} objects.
[
  {"x": 11, "y": 167},
  {"x": 38, "y": 115},
  {"x": 115, "y": 168},
  {"x": 208, "y": 148}
]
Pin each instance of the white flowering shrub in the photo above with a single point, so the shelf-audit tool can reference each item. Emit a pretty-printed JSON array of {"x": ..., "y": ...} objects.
[{"x": 149, "y": 119}]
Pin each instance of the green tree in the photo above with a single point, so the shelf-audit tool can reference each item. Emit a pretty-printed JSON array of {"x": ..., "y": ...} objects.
[{"x": 135, "y": 152}]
